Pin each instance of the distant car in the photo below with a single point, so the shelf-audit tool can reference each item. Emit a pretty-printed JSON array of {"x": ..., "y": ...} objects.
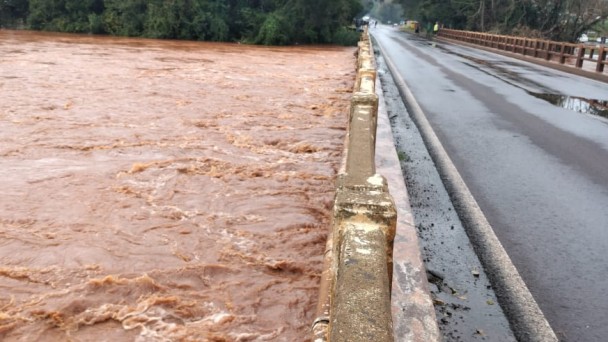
[{"x": 585, "y": 39}]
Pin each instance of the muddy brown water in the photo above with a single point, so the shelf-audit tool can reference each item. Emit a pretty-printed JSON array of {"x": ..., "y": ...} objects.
[{"x": 161, "y": 190}]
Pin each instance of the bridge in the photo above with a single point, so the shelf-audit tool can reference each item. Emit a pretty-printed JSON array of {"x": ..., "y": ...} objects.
[
  {"x": 469, "y": 204},
  {"x": 530, "y": 145}
]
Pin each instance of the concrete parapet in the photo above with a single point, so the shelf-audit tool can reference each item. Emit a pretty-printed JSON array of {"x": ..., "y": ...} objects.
[
  {"x": 366, "y": 81},
  {"x": 361, "y": 297},
  {"x": 362, "y": 139},
  {"x": 358, "y": 268},
  {"x": 369, "y": 198},
  {"x": 364, "y": 229},
  {"x": 369, "y": 201},
  {"x": 365, "y": 61},
  {"x": 413, "y": 312}
]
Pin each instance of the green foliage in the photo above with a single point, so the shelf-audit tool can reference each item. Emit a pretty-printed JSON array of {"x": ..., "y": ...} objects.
[
  {"x": 602, "y": 28},
  {"x": 273, "y": 31},
  {"x": 13, "y": 12},
  {"x": 346, "y": 37},
  {"x": 43, "y": 13},
  {"x": 549, "y": 19},
  {"x": 404, "y": 157},
  {"x": 270, "y": 22},
  {"x": 62, "y": 15},
  {"x": 95, "y": 23},
  {"x": 316, "y": 21},
  {"x": 124, "y": 18}
]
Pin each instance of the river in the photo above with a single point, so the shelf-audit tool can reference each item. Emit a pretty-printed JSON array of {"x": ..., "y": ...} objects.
[{"x": 165, "y": 190}]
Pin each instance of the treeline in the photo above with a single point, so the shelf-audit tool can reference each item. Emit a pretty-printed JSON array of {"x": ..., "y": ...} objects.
[
  {"x": 561, "y": 20},
  {"x": 269, "y": 22}
]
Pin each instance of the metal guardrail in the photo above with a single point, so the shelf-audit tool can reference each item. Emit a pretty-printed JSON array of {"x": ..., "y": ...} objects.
[
  {"x": 561, "y": 52},
  {"x": 355, "y": 290}
]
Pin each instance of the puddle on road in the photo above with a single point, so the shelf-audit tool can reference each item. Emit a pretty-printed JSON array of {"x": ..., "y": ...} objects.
[
  {"x": 573, "y": 103},
  {"x": 577, "y": 104}
]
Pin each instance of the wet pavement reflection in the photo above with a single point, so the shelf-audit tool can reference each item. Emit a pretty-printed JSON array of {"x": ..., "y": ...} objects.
[
  {"x": 577, "y": 104},
  {"x": 161, "y": 190},
  {"x": 573, "y": 103},
  {"x": 597, "y": 107}
]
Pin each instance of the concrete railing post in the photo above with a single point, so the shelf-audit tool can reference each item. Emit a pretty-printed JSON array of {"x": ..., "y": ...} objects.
[
  {"x": 362, "y": 136},
  {"x": 364, "y": 228}
]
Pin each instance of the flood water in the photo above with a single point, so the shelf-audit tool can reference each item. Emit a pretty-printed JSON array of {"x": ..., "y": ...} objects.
[{"x": 161, "y": 190}]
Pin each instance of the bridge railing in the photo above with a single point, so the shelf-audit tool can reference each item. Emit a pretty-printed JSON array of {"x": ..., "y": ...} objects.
[
  {"x": 576, "y": 55},
  {"x": 355, "y": 290}
]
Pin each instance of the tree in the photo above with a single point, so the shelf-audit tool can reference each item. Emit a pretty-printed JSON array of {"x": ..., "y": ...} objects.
[
  {"x": 63, "y": 15},
  {"x": 124, "y": 17},
  {"x": 254, "y": 21},
  {"x": 316, "y": 21},
  {"x": 549, "y": 19},
  {"x": 13, "y": 12}
]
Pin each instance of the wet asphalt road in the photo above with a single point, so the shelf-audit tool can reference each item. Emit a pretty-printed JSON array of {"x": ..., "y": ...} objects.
[{"x": 534, "y": 153}]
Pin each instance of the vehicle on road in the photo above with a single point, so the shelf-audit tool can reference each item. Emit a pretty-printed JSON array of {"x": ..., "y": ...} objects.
[{"x": 583, "y": 38}]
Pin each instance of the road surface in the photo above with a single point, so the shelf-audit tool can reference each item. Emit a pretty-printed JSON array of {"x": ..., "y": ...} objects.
[{"x": 532, "y": 145}]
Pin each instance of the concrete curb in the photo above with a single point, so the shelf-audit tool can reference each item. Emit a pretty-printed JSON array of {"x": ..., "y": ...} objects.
[
  {"x": 412, "y": 307},
  {"x": 359, "y": 299},
  {"x": 525, "y": 317}
]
